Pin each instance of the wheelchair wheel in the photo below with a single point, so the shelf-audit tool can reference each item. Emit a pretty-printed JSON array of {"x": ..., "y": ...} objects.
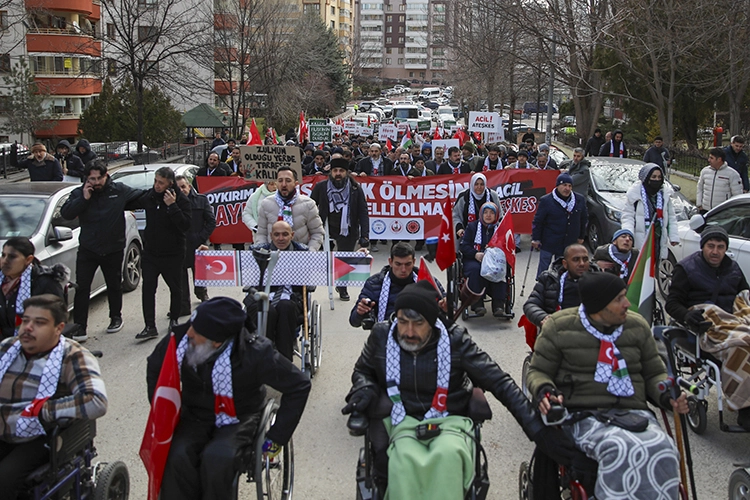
[
  {"x": 524, "y": 375},
  {"x": 316, "y": 338},
  {"x": 273, "y": 478},
  {"x": 739, "y": 485},
  {"x": 525, "y": 486},
  {"x": 511, "y": 294},
  {"x": 697, "y": 418},
  {"x": 112, "y": 482}
]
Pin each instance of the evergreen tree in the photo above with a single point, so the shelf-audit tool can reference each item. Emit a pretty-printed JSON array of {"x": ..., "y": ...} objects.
[{"x": 27, "y": 110}]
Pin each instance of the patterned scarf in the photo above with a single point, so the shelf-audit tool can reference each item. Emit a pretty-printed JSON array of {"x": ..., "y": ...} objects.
[
  {"x": 24, "y": 292},
  {"x": 338, "y": 201},
  {"x": 488, "y": 166},
  {"x": 475, "y": 198},
  {"x": 567, "y": 205},
  {"x": 376, "y": 166},
  {"x": 611, "y": 368},
  {"x": 401, "y": 168},
  {"x": 562, "y": 288},
  {"x": 285, "y": 207},
  {"x": 647, "y": 208},
  {"x": 439, "y": 408},
  {"x": 221, "y": 380},
  {"x": 385, "y": 291},
  {"x": 456, "y": 169},
  {"x": 620, "y": 153},
  {"x": 28, "y": 424},
  {"x": 623, "y": 264}
]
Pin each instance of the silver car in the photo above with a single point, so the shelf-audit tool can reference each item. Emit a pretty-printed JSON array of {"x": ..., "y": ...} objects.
[
  {"x": 32, "y": 209},
  {"x": 142, "y": 177}
]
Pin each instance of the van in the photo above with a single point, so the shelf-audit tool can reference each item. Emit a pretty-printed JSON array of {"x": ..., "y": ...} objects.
[
  {"x": 429, "y": 93},
  {"x": 407, "y": 112}
]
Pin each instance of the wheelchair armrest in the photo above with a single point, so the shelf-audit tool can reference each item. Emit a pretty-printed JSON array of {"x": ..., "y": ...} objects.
[
  {"x": 312, "y": 288},
  {"x": 479, "y": 408},
  {"x": 357, "y": 424}
]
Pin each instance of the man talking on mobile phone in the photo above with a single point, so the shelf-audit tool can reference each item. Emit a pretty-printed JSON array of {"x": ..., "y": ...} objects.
[{"x": 167, "y": 223}]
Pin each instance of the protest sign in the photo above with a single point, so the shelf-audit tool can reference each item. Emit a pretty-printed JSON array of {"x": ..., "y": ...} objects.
[
  {"x": 337, "y": 129},
  {"x": 399, "y": 208},
  {"x": 388, "y": 131},
  {"x": 317, "y": 121},
  {"x": 350, "y": 127},
  {"x": 320, "y": 133},
  {"x": 445, "y": 144},
  {"x": 455, "y": 128},
  {"x": 262, "y": 162},
  {"x": 366, "y": 131},
  {"x": 484, "y": 122},
  {"x": 491, "y": 137}
]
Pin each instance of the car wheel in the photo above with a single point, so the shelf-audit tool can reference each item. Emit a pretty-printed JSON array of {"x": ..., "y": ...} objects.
[
  {"x": 131, "y": 273},
  {"x": 594, "y": 234},
  {"x": 666, "y": 268}
]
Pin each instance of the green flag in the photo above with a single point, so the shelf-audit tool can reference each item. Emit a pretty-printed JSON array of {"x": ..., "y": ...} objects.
[{"x": 641, "y": 287}]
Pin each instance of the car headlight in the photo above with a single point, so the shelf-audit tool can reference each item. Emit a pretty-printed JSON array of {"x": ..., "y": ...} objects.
[{"x": 612, "y": 213}]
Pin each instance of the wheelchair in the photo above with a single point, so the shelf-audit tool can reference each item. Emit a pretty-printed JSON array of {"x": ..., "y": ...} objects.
[
  {"x": 310, "y": 334},
  {"x": 460, "y": 281},
  {"x": 367, "y": 488},
  {"x": 273, "y": 478},
  {"x": 70, "y": 472}
]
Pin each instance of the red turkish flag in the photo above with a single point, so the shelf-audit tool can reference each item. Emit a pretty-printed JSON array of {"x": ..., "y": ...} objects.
[
  {"x": 445, "y": 255},
  {"x": 437, "y": 135},
  {"x": 461, "y": 135},
  {"x": 478, "y": 137},
  {"x": 162, "y": 420},
  {"x": 210, "y": 267},
  {"x": 425, "y": 274},
  {"x": 254, "y": 138},
  {"x": 505, "y": 240},
  {"x": 530, "y": 329},
  {"x": 388, "y": 145},
  {"x": 302, "y": 127}
]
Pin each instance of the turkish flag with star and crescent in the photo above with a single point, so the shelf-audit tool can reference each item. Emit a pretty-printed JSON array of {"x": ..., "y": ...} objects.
[
  {"x": 162, "y": 420},
  {"x": 445, "y": 255},
  {"x": 215, "y": 269},
  {"x": 504, "y": 240}
]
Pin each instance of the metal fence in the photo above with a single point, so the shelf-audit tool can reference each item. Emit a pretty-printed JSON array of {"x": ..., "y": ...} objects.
[{"x": 168, "y": 152}]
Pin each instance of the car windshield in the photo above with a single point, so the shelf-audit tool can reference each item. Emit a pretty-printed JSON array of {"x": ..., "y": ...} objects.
[
  {"x": 613, "y": 178},
  {"x": 20, "y": 215},
  {"x": 405, "y": 113},
  {"x": 137, "y": 180}
]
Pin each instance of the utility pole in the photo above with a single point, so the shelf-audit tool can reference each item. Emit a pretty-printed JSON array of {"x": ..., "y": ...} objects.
[{"x": 551, "y": 95}]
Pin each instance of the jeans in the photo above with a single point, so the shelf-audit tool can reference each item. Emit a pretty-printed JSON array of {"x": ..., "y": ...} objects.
[
  {"x": 170, "y": 268},
  {"x": 545, "y": 258},
  {"x": 86, "y": 264},
  {"x": 18, "y": 461}
]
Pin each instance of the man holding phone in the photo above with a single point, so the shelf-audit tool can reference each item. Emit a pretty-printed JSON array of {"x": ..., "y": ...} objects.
[{"x": 168, "y": 219}]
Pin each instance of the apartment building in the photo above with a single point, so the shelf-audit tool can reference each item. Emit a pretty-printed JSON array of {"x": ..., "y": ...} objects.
[
  {"x": 338, "y": 15},
  {"x": 402, "y": 40}
]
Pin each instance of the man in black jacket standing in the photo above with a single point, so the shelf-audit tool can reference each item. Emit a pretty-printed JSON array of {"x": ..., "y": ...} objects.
[
  {"x": 341, "y": 202},
  {"x": 167, "y": 224},
  {"x": 41, "y": 165},
  {"x": 72, "y": 166},
  {"x": 202, "y": 224}
]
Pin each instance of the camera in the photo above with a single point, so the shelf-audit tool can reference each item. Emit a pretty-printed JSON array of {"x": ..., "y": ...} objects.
[{"x": 369, "y": 321}]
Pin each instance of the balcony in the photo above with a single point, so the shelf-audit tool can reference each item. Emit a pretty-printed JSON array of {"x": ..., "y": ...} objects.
[
  {"x": 61, "y": 41},
  {"x": 68, "y": 85},
  {"x": 66, "y": 126},
  {"x": 81, "y": 6}
]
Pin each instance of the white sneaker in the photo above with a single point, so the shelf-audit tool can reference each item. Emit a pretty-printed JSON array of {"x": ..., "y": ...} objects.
[{"x": 81, "y": 337}]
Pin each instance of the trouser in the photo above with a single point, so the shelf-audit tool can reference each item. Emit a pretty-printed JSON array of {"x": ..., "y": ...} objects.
[
  {"x": 17, "y": 461},
  {"x": 545, "y": 258},
  {"x": 283, "y": 320},
  {"x": 345, "y": 244},
  {"x": 86, "y": 264},
  {"x": 170, "y": 268},
  {"x": 202, "y": 462},
  {"x": 498, "y": 291},
  {"x": 185, "y": 295}
]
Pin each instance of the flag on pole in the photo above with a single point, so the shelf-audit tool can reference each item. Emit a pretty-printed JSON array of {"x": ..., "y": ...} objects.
[
  {"x": 425, "y": 274},
  {"x": 445, "y": 255},
  {"x": 641, "y": 287},
  {"x": 302, "y": 127},
  {"x": 478, "y": 137},
  {"x": 388, "y": 145},
  {"x": 162, "y": 420},
  {"x": 253, "y": 138},
  {"x": 369, "y": 123},
  {"x": 351, "y": 270},
  {"x": 436, "y": 136},
  {"x": 274, "y": 138},
  {"x": 461, "y": 135},
  {"x": 406, "y": 139},
  {"x": 504, "y": 239}
]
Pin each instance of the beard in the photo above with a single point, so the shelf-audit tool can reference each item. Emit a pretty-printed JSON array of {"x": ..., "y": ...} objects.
[
  {"x": 410, "y": 347},
  {"x": 338, "y": 183},
  {"x": 197, "y": 354}
]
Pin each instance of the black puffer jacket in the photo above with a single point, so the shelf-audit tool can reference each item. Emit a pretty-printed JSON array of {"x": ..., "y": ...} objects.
[
  {"x": 202, "y": 223},
  {"x": 470, "y": 366},
  {"x": 43, "y": 280},
  {"x": 543, "y": 300},
  {"x": 87, "y": 154},
  {"x": 255, "y": 364}
]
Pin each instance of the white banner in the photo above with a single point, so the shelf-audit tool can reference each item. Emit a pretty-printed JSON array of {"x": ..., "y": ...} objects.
[
  {"x": 388, "y": 131},
  {"x": 402, "y": 127},
  {"x": 351, "y": 127},
  {"x": 491, "y": 137},
  {"x": 445, "y": 144},
  {"x": 337, "y": 129},
  {"x": 484, "y": 122},
  {"x": 365, "y": 131},
  {"x": 392, "y": 228}
]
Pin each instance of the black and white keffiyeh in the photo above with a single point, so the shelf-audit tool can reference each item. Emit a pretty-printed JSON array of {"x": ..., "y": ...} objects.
[
  {"x": 285, "y": 207},
  {"x": 622, "y": 263},
  {"x": 647, "y": 209},
  {"x": 338, "y": 201},
  {"x": 611, "y": 368},
  {"x": 28, "y": 424},
  {"x": 567, "y": 205},
  {"x": 221, "y": 379},
  {"x": 439, "y": 408},
  {"x": 24, "y": 289},
  {"x": 474, "y": 198},
  {"x": 385, "y": 291}
]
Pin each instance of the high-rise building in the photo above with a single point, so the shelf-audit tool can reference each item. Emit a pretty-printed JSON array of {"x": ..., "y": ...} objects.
[
  {"x": 337, "y": 15},
  {"x": 401, "y": 40}
]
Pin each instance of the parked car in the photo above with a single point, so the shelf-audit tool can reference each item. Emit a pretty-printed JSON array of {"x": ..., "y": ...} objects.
[
  {"x": 129, "y": 151},
  {"x": 142, "y": 177},
  {"x": 558, "y": 155},
  {"x": 610, "y": 180},
  {"x": 733, "y": 215},
  {"x": 32, "y": 209}
]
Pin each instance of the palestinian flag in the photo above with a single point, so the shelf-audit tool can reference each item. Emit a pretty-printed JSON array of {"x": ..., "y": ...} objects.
[
  {"x": 406, "y": 139},
  {"x": 351, "y": 268},
  {"x": 642, "y": 285}
]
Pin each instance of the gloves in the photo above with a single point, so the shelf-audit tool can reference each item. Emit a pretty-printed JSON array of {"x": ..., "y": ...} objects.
[
  {"x": 271, "y": 449},
  {"x": 359, "y": 401},
  {"x": 556, "y": 444},
  {"x": 695, "y": 320},
  {"x": 364, "y": 242}
]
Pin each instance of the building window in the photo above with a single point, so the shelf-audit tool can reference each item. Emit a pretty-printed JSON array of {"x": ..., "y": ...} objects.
[
  {"x": 401, "y": 19},
  {"x": 401, "y": 29},
  {"x": 388, "y": 39},
  {"x": 421, "y": 74},
  {"x": 111, "y": 31},
  {"x": 400, "y": 50},
  {"x": 147, "y": 3},
  {"x": 4, "y": 104},
  {"x": 5, "y": 63},
  {"x": 389, "y": 19},
  {"x": 402, "y": 7},
  {"x": 311, "y": 8},
  {"x": 400, "y": 61},
  {"x": 438, "y": 7},
  {"x": 389, "y": 8},
  {"x": 146, "y": 32},
  {"x": 400, "y": 39},
  {"x": 438, "y": 51},
  {"x": 333, "y": 25},
  {"x": 389, "y": 29},
  {"x": 389, "y": 50},
  {"x": 388, "y": 60},
  {"x": 333, "y": 10},
  {"x": 411, "y": 74},
  {"x": 111, "y": 67},
  {"x": 3, "y": 20}
]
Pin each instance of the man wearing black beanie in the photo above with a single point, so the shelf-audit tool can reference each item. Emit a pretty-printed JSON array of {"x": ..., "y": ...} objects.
[
  {"x": 601, "y": 355},
  {"x": 428, "y": 370}
]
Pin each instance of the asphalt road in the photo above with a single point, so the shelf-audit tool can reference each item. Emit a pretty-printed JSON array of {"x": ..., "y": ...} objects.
[{"x": 325, "y": 455}]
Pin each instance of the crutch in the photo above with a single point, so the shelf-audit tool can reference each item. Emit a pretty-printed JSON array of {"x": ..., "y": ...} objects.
[{"x": 526, "y": 274}]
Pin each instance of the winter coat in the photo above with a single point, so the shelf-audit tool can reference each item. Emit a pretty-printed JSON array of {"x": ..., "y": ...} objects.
[
  {"x": 717, "y": 186},
  {"x": 565, "y": 357},
  {"x": 466, "y": 245},
  {"x": 221, "y": 170},
  {"x": 48, "y": 170},
  {"x": 250, "y": 212},
  {"x": 101, "y": 216},
  {"x": 593, "y": 145},
  {"x": 602, "y": 253},
  {"x": 470, "y": 367},
  {"x": 634, "y": 220},
  {"x": 416, "y": 173},
  {"x": 581, "y": 174},
  {"x": 308, "y": 227},
  {"x": 365, "y": 166},
  {"x": 359, "y": 219},
  {"x": 71, "y": 164},
  {"x": 87, "y": 155},
  {"x": 43, "y": 280},
  {"x": 694, "y": 281},
  {"x": 543, "y": 299},
  {"x": 202, "y": 223},
  {"x": 446, "y": 169},
  {"x": 461, "y": 208},
  {"x": 739, "y": 163},
  {"x": 555, "y": 228},
  {"x": 656, "y": 155},
  {"x": 255, "y": 364},
  {"x": 606, "y": 149},
  {"x": 166, "y": 225}
]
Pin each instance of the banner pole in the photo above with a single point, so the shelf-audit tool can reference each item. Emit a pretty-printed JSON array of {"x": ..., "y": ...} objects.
[{"x": 330, "y": 266}]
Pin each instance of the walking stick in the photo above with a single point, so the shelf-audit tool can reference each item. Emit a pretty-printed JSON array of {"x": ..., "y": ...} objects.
[{"x": 526, "y": 274}]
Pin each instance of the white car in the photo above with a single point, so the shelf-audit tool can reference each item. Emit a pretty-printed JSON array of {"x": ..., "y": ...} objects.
[{"x": 733, "y": 215}]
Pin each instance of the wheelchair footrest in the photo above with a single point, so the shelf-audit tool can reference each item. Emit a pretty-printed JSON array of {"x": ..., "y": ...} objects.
[{"x": 733, "y": 428}]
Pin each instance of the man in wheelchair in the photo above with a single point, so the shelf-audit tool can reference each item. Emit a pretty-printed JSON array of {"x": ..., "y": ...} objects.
[
  {"x": 285, "y": 308},
  {"x": 224, "y": 370},
  {"x": 428, "y": 372},
  {"x": 618, "y": 257},
  {"x": 599, "y": 357},
  {"x": 44, "y": 377}
]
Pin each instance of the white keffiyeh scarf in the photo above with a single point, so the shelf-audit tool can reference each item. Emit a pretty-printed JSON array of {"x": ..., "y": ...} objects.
[
  {"x": 611, "y": 368},
  {"x": 28, "y": 424},
  {"x": 439, "y": 408},
  {"x": 623, "y": 264},
  {"x": 385, "y": 291},
  {"x": 338, "y": 201},
  {"x": 567, "y": 205},
  {"x": 285, "y": 207},
  {"x": 620, "y": 153},
  {"x": 562, "y": 288},
  {"x": 24, "y": 292},
  {"x": 456, "y": 169},
  {"x": 376, "y": 165},
  {"x": 647, "y": 209},
  {"x": 487, "y": 166},
  {"x": 221, "y": 379}
]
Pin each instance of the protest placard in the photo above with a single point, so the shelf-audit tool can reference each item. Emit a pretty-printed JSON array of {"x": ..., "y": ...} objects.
[
  {"x": 262, "y": 162},
  {"x": 484, "y": 122},
  {"x": 337, "y": 129},
  {"x": 445, "y": 144},
  {"x": 317, "y": 121},
  {"x": 320, "y": 133},
  {"x": 365, "y": 131},
  {"x": 388, "y": 131},
  {"x": 492, "y": 137},
  {"x": 351, "y": 127}
]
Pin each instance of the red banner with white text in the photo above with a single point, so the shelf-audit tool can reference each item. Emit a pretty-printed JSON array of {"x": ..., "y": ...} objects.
[{"x": 400, "y": 208}]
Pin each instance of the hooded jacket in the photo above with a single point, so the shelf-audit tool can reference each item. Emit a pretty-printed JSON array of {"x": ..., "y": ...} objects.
[
  {"x": 71, "y": 164},
  {"x": 43, "y": 280},
  {"x": 250, "y": 212},
  {"x": 633, "y": 217},
  {"x": 87, "y": 155}
]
